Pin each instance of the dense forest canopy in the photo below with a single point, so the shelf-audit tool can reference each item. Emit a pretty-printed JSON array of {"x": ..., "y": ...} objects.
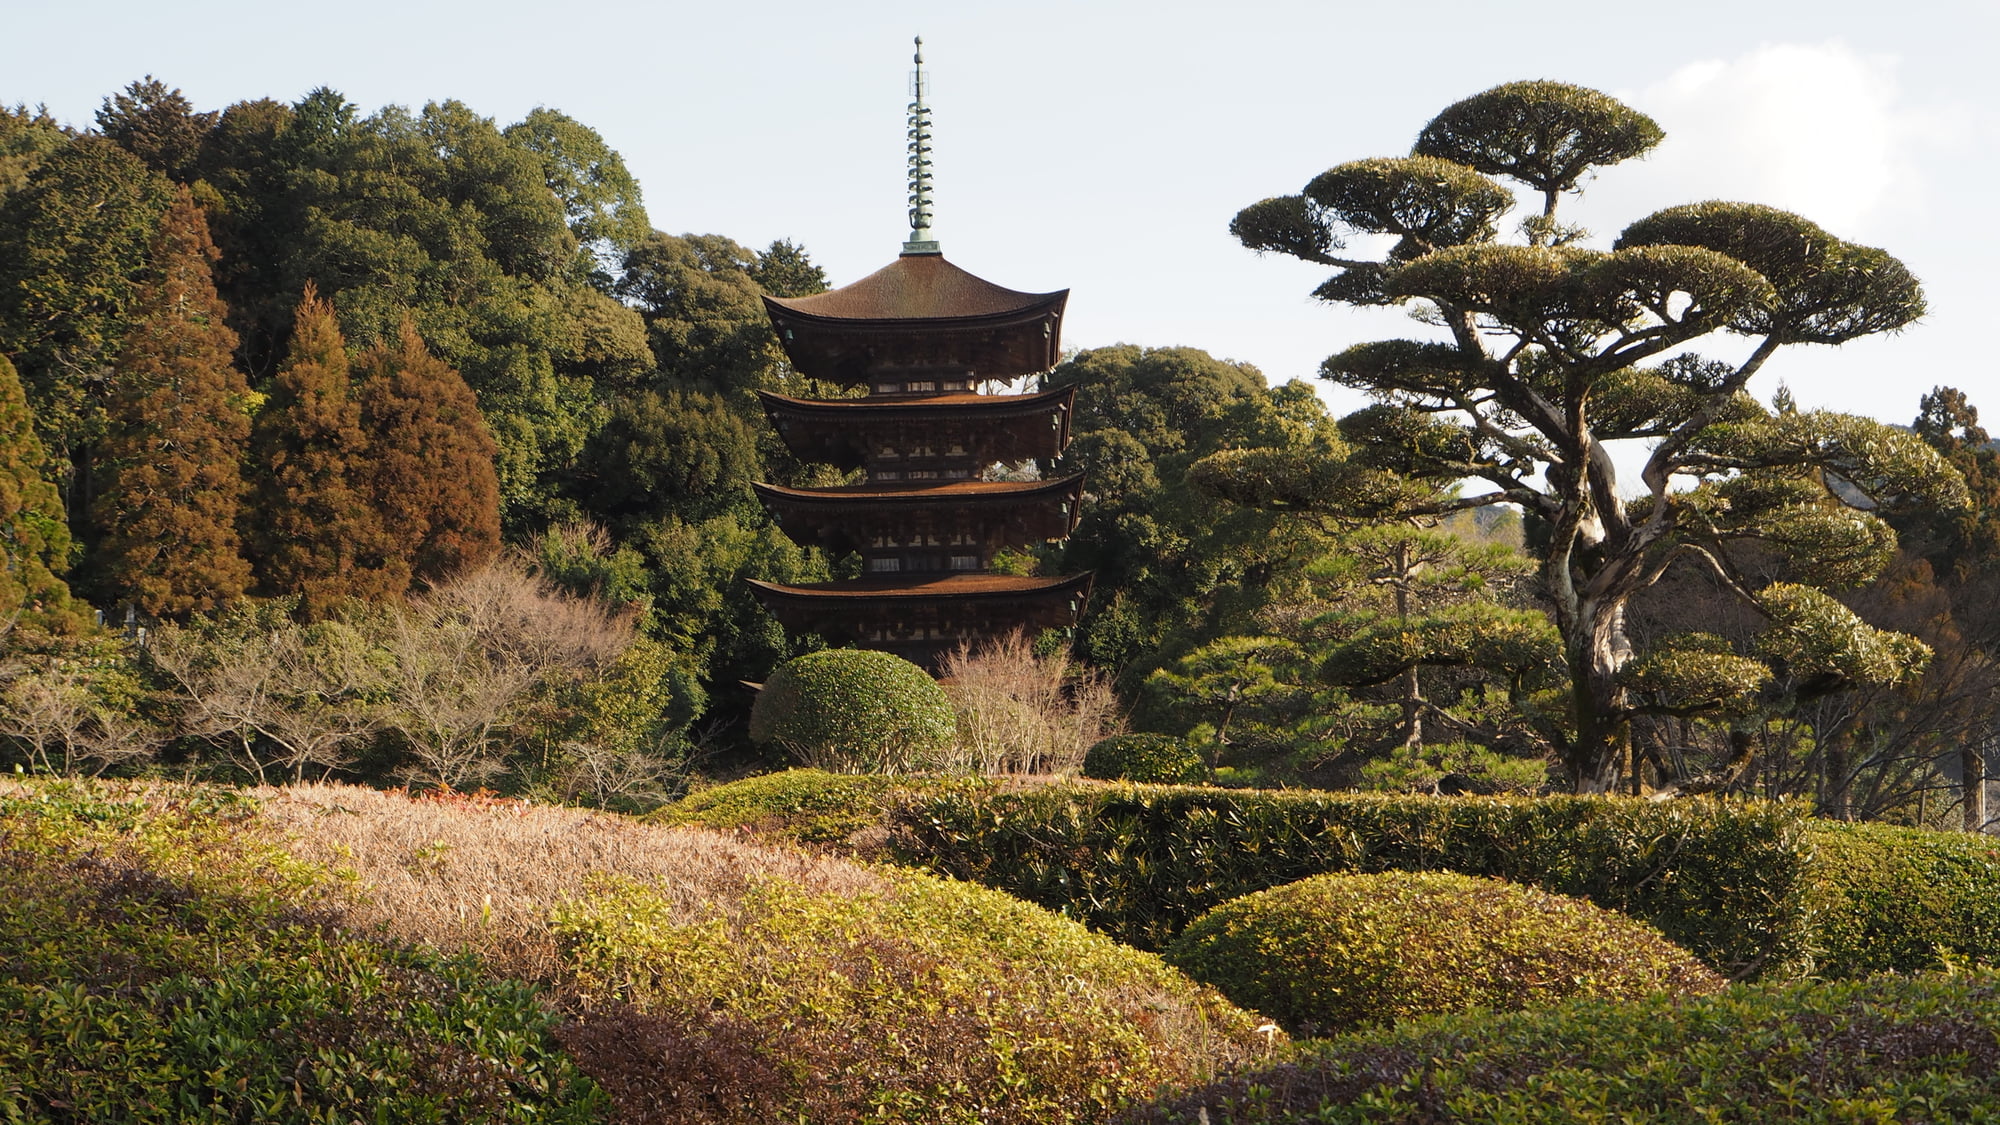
[{"x": 295, "y": 386}]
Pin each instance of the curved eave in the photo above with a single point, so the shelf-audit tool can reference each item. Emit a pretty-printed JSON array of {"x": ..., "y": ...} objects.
[
  {"x": 1002, "y": 345},
  {"x": 957, "y": 588},
  {"x": 917, "y": 289},
  {"x": 951, "y": 494},
  {"x": 786, "y": 311},
  {"x": 862, "y": 411},
  {"x": 995, "y": 427}
]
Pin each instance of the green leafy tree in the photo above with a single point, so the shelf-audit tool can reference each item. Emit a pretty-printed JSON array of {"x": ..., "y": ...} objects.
[
  {"x": 26, "y": 138},
  {"x": 704, "y": 312},
  {"x": 1175, "y": 567},
  {"x": 431, "y": 476},
  {"x": 176, "y": 436},
  {"x": 74, "y": 245},
  {"x": 441, "y": 217},
  {"x": 314, "y": 528},
  {"x": 682, "y": 453},
  {"x": 158, "y": 125},
  {"x": 1550, "y": 350},
  {"x": 599, "y": 196},
  {"x": 34, "y": 536},
  {"x": 1225, "y": 677},
  {"x": 784, "y": 269}
]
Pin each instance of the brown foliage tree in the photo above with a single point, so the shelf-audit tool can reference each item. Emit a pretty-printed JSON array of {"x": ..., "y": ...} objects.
[
  {"x": 431, "y": 474},
  {"x": 316, "y": 532},
  {"x": 176, "y": 435}
]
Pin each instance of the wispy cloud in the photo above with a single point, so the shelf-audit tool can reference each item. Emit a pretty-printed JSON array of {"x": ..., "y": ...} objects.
[{"x": 1821, "y": 129}]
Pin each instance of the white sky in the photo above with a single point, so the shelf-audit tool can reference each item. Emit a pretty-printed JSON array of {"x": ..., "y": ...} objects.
[{"x": 1104, "y": 146}]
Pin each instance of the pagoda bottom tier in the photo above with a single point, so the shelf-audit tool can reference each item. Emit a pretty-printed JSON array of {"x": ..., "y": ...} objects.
[{"x": 924, "y": 620}]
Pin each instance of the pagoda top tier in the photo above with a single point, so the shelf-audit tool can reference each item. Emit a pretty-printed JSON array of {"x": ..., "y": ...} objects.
[{"x": 919, "y": 313}]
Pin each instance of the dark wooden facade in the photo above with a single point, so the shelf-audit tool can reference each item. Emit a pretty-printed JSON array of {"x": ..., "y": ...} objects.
[{"x": 924, "y": 337}]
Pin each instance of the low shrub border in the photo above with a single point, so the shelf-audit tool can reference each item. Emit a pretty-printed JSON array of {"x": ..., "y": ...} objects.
[{"x": 1884, "y": 1049}]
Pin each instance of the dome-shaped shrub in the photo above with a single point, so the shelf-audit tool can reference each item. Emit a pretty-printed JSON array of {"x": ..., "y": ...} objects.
[
  {"x": 1153, "y": 758},
  {"x": 1335, "y": 952},
  {"x": 855, "y": 711},
  {"x": 919, "y": 1001}
]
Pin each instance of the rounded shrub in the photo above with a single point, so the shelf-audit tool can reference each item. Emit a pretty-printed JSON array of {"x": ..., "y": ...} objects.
[
  {"x": 1336, "y": 952},
  {"x": 920, "y": 1002},
  {"x": 855, "y": 711},
  {"x": 1159, "y": 759}
]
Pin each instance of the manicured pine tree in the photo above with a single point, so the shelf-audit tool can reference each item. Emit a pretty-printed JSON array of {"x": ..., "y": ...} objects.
[
  {"x": 34, "y": 536},
  {"x": 176, "y": 436},
  {"x": 431, "y": 472},
  {"x": 313, "y": 528}
]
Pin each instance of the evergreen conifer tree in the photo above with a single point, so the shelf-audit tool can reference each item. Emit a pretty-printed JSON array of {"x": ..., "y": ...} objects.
[
  {"x": 34, "y": 537},
  {"x": 176, "y": 434},
  {"x": 315, "y": 532},
  {"x": 431, "y": 471}
]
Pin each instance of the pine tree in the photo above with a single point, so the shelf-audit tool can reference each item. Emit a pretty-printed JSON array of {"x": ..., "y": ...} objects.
[
  {"x": 176, "y": 436},
  {"x": 34, "y": 537},
  {"x": 315, "y": 532},
  {"x": 431, "y": 472}
]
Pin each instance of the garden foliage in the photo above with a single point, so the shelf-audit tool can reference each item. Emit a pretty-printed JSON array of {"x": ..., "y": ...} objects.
[
  {"x": 1335, "y": 952},
  {"x": 855, "y": 711},
  {"x": 1147, "y": 758},
  {"x": 1140, "y": 863},
  {"x": 1888, "y": 899},
  {"x": 1884, "y": 1049},
  {"x": 1751, "y": 889},
  {"x": 928, "y": 1001},
  {"x": 162, "y": 966}
]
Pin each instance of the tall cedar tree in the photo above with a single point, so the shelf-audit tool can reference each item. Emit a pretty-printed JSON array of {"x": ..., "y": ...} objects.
[
  {"x": 431, "y": 475},
  {"x": 34, "y": 537},
  {"x": 176, "y": 435},
  {"x": 315, "y": 532}
]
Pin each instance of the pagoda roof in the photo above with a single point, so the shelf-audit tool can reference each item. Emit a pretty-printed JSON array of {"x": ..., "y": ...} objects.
[
  {"x": 850, "y": 410},
  {"x": 920, "y": 287},
  {"x": 955, "y": 493},
  {"x": 843, "y": 432},
  {"x": 919, "y": 312},
  {"x": 922, "y": 619},
  {"x": 956, "y": 587}
]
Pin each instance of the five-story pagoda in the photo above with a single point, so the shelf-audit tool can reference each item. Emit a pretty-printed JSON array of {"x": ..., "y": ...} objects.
[{"x": 924, "y": 338}]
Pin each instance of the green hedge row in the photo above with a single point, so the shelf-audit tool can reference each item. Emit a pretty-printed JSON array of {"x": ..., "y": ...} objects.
[
  {"x": 1881, "y": 1050},
  {"x": 1724, "y": 880},
  {"x": 1902, "y": 899},
  {"x": 1753, "y": 889}
]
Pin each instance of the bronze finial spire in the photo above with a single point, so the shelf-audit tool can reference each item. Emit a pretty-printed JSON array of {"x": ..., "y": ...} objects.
[{"x": 920, "y": 240}]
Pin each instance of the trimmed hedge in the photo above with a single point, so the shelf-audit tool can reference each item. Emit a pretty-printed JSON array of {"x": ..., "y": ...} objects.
[
  {"x": 1147, "y": 758},
  {"x": 1336, "y": 952},
  {"x": 1879, "y": 1050},
  {"x": 855, "y": 711},
  {"x": 1723, "y": 880},
  {"x": 1888, "y": 899},
  {"x": 811, "y": 807},
  {"x": 158, "y": 966},
  {"x": 927, "y": 1003},
  {"x": 1752, "y": 889}
]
